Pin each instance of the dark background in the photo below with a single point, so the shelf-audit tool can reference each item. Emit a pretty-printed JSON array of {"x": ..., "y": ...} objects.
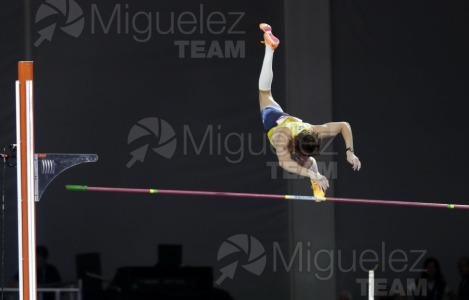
[
  {"x": 399, "y": 77},
  {"x": 400, "y": 74}
]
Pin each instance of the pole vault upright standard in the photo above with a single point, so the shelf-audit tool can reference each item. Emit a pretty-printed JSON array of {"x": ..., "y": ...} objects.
[
  {"x": 25, "y": 179},
  {"x": 34, "y": 173}
]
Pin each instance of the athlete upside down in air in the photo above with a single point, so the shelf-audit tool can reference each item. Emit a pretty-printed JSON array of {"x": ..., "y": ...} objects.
[{"x": 295, "y": 141}]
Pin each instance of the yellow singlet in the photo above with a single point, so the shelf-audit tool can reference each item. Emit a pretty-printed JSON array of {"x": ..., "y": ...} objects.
[{"x": 293, "y": 124}]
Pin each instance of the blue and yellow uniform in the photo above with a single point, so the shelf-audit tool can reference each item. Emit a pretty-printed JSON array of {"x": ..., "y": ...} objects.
[
  {"x": 274, "y": 117},
  {"x": 293, "y": 124}
]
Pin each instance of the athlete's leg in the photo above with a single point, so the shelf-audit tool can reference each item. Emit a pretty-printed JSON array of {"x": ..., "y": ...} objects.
[{"x": 267, "y": 75}]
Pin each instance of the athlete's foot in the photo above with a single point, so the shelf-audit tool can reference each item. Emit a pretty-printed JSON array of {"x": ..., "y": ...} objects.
[{"x": 269, "y": 38}]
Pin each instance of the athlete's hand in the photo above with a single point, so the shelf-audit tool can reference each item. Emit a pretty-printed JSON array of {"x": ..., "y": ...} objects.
[
  {"x": 354, "y": 161},
  {"x": 321, "y": 180}
]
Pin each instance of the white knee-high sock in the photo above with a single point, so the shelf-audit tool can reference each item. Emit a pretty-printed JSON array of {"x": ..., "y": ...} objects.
[{"x": 267, "y": 75}]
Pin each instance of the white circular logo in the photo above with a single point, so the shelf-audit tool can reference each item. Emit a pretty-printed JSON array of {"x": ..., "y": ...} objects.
[
  {"x": 245, "y": 244},
  {"x": 153, "y": 133},
  {"x": 71, "y": 19}
]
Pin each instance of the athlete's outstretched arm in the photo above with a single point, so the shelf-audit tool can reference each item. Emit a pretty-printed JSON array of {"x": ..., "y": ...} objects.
[{"x": 333, "y": 129}]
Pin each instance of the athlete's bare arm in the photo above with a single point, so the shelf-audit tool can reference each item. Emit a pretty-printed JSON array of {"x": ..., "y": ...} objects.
[{"x": 334, "y": 128}]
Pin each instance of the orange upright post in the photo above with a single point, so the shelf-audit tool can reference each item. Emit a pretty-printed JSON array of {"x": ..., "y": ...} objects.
[{"x": 26, "y": 181}]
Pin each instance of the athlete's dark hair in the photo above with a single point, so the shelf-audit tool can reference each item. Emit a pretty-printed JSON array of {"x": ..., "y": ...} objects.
[{"x": 307, "y": 143}]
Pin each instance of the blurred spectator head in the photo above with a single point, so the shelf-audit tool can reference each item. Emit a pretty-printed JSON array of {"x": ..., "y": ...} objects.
[
  {"x": 463, "y": 266},
  {"x": 432, "y": 269},
  {"x": 42, "y": 253},
  {"x": 344, "y": 295}
]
